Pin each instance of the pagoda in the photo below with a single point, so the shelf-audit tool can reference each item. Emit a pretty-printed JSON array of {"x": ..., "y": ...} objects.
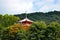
[{"x": 26, "y": 23}]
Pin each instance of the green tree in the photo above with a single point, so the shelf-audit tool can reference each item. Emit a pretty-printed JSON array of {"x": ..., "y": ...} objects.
[
  {"x": 56, "y": 25},
  {"x": 8, "y": 20}
]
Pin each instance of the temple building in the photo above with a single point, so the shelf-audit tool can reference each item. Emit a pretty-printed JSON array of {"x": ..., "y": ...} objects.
[{"x": 26, "y": 23}]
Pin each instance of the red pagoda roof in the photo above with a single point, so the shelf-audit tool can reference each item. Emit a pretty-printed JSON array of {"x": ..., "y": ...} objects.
[{"x": 26, "y": 20}]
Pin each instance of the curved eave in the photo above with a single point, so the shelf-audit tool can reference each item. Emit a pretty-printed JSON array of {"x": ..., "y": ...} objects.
[{"x": 26, "y": 20}]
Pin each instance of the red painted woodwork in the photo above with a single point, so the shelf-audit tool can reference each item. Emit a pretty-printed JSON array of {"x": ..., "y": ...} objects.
[{"x": 26, "y": 22}]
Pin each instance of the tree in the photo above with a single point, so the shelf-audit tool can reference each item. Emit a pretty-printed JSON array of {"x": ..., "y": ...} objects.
[
  {"x": 8, "y": 20},
  {"x": 41, "y": 24},
  {"x": 56, "y": 25}
]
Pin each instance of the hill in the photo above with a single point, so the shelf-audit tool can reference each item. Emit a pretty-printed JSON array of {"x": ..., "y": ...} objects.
[{"x": 40, "y": 16}]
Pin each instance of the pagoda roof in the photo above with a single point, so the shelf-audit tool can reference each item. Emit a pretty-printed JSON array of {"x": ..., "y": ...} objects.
[{"x": 26, "y": 19}]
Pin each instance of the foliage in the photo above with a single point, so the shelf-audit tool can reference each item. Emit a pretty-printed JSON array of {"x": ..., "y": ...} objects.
[
  {"x": 8, "y": 20},
  {"x": 38, "y": 31}
]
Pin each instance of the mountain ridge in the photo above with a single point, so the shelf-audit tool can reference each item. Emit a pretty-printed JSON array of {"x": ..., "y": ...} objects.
[{"x": 40, "y": 16}]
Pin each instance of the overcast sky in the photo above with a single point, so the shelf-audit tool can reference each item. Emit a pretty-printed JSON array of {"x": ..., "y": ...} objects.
[{"x": 20, "y": 6}]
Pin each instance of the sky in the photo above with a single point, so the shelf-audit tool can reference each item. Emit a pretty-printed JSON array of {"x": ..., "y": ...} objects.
[{"x": 20, "y": 6}]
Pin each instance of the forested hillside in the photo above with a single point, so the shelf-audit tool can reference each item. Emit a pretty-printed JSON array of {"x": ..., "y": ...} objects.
[{"x": 40, "y": 16}]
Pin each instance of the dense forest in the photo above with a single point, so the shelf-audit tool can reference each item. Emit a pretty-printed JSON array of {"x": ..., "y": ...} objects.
[
  {"x": 46, "y": 26},
  {"x": 40, "y": 16}
]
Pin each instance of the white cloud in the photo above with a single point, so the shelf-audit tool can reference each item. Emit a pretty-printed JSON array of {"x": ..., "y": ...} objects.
[
  {"x": 49, "y": 5},
  {"x": 45, "y": 8},
  {"x": 18, "y": 6},
  {"x": 50, "y": 1}
]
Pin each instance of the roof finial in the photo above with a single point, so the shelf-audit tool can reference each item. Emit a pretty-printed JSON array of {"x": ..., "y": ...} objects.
[{"x": 26, "y": 14}]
